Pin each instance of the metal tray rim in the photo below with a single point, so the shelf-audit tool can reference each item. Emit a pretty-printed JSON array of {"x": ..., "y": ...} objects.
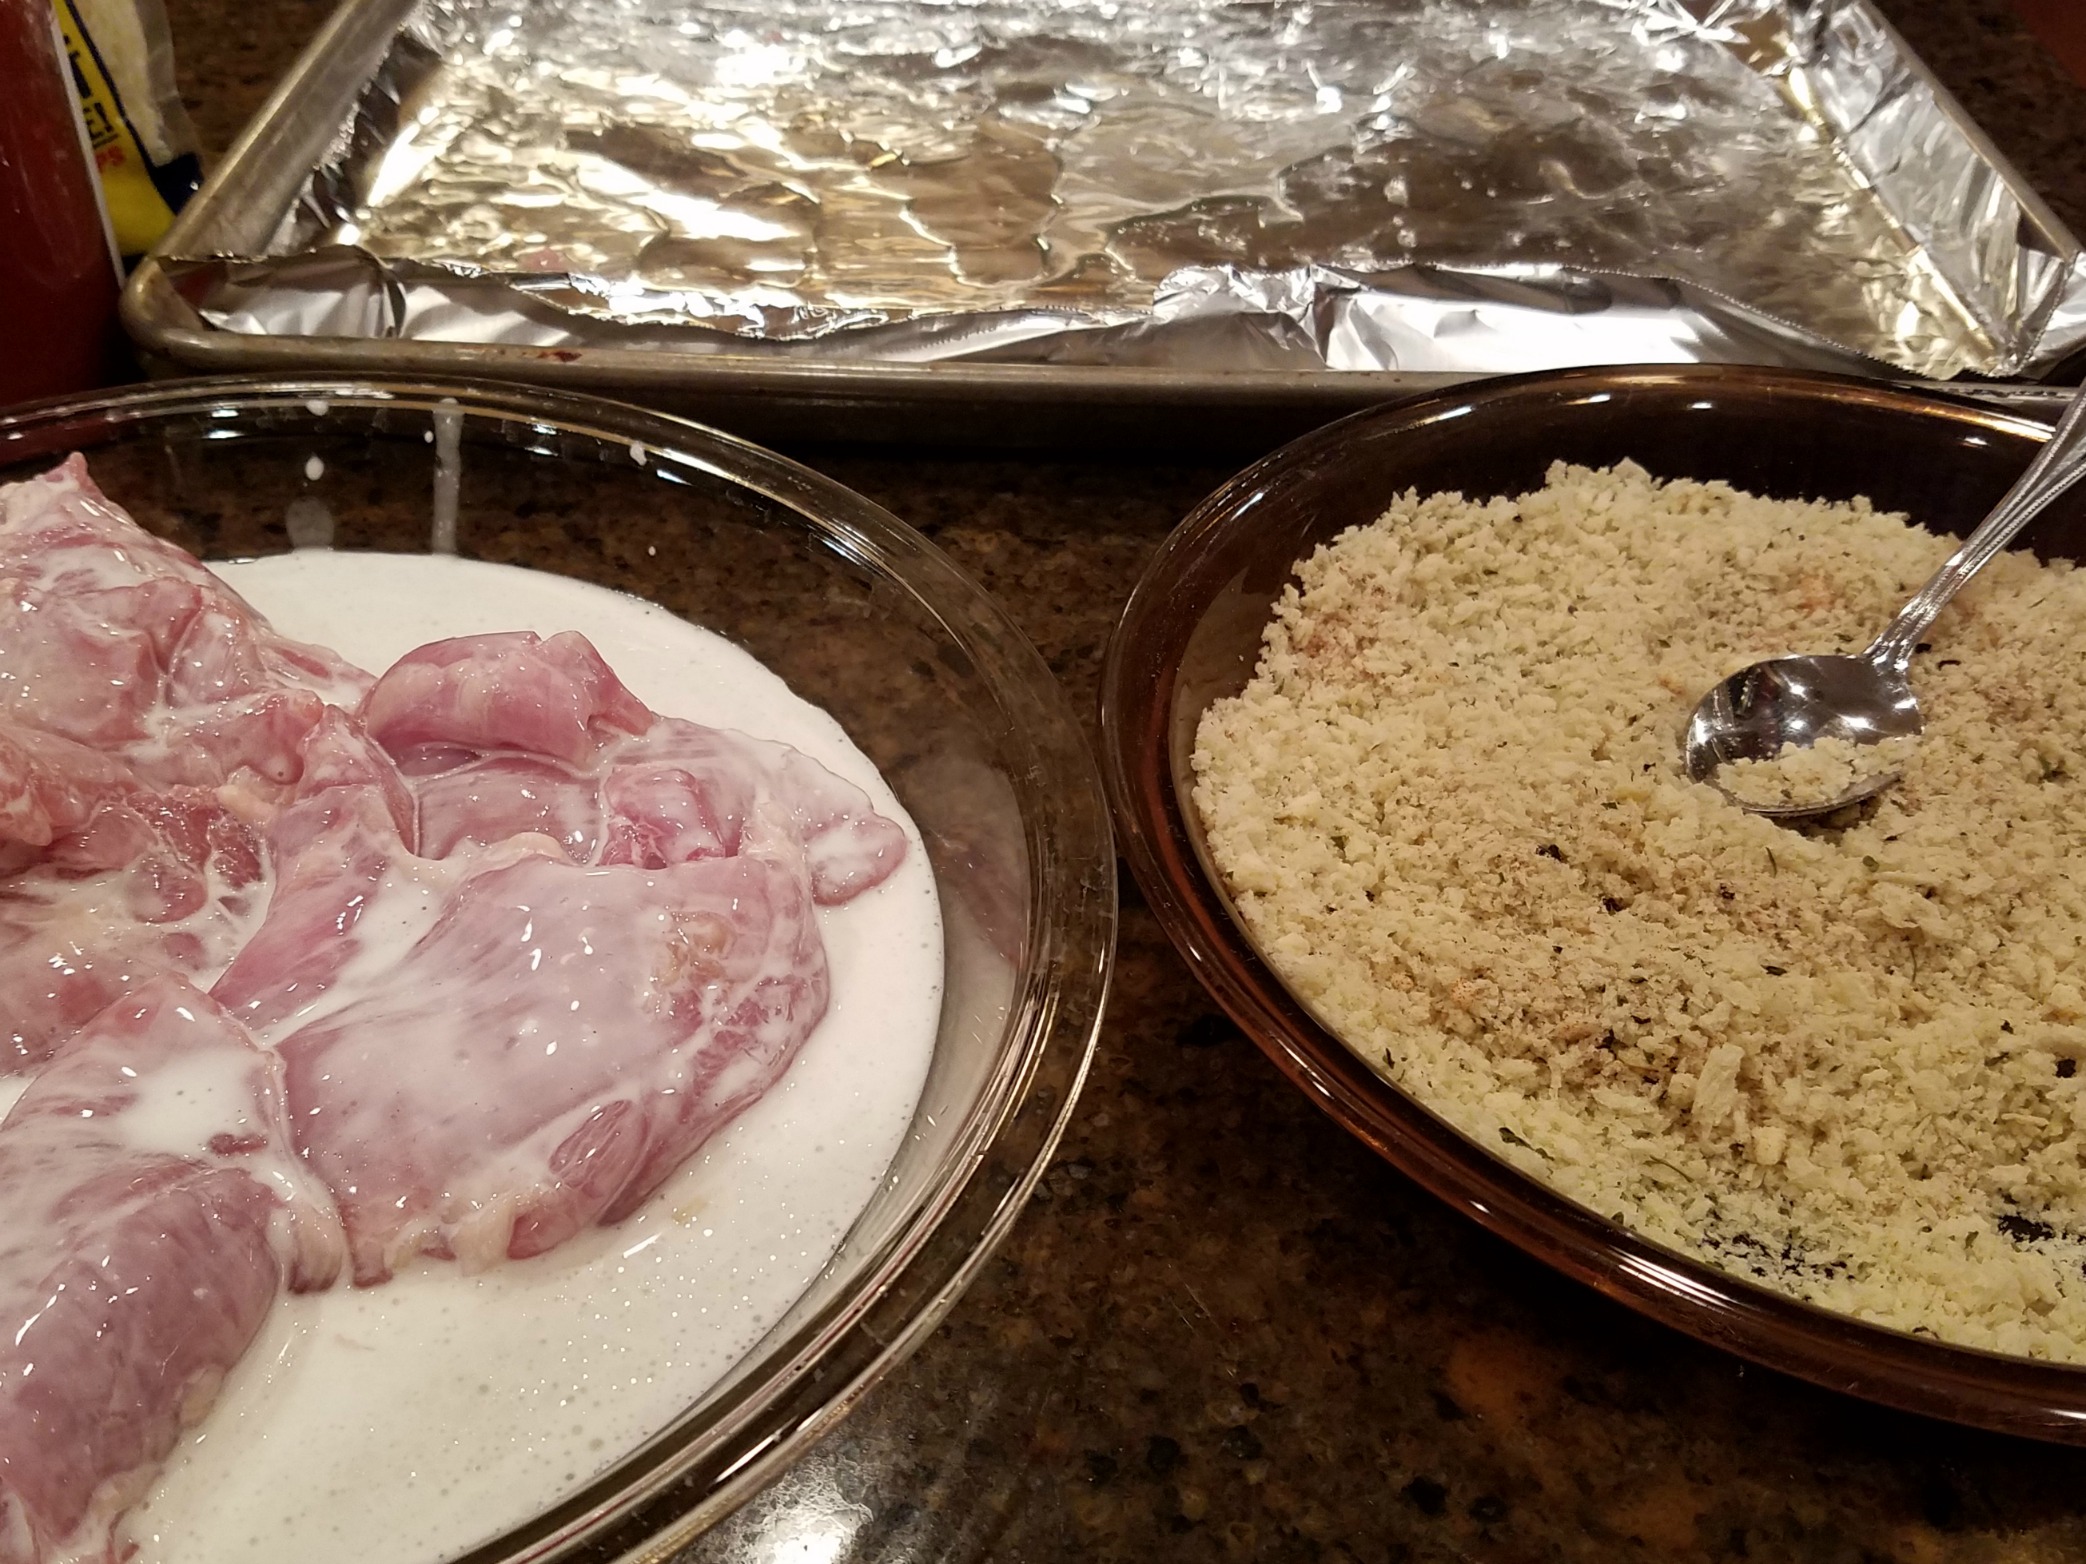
[{"x": 245, "y": 196}]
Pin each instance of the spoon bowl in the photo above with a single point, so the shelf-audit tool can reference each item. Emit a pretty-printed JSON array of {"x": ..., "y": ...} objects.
[{"x": 1767, "y": 707}]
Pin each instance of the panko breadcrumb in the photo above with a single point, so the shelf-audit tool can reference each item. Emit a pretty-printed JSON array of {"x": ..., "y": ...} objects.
[
  {"x": 1799, "y": 775},
  {"x": 1845, "y": 1061}
]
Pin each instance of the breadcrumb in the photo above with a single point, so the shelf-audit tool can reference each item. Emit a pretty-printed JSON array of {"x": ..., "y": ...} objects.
[
  {"x": 1818, "y": 773},
  {"x": 1843, "y": 1062}
]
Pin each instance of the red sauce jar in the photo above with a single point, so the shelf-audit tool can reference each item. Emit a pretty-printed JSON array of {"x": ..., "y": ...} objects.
[{"x": 58, "y": 269}]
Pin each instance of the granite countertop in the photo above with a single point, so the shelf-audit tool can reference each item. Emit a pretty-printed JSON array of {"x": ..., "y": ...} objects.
[{"x": 1225, "y": 1330}]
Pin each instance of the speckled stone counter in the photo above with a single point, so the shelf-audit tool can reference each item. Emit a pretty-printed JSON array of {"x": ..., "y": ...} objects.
[{"x": 1224, "y": 1330}]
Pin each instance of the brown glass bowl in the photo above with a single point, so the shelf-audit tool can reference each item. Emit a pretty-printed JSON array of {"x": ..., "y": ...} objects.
[{"x": 1191, "y": 634}]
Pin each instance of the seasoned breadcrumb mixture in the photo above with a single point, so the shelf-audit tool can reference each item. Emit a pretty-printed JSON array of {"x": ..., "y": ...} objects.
[
  {"x": 1844, "y": 1062},
  {"x": 1799, "y": 776}
]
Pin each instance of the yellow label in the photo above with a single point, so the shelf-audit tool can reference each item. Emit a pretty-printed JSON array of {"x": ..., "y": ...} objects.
[{"x": 136, "y": 210}]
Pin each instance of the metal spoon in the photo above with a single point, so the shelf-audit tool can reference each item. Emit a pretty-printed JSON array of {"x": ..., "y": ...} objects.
[{"x": 1864, "y": 699}]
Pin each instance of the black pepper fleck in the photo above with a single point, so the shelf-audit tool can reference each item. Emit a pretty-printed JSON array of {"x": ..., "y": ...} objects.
[
  {"x": 2024, "y": 1229},
  {"x": 1427, "y": 1495}
]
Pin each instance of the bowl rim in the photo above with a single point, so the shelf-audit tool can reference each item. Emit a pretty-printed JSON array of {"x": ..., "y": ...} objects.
[
  {"x": 715, "y": 1457},
  {"x": 2008, "y": 1394}
]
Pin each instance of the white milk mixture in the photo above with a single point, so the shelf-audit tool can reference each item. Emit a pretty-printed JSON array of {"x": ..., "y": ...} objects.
[{"x": 410, "y": 1421}]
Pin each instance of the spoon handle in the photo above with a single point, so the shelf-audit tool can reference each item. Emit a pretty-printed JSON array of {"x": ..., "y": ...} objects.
[{"x": 2057, "y": 466}]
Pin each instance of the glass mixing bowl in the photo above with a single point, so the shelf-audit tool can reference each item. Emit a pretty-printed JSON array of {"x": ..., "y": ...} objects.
[
  {"x": 862, "y": 616},
  {"x": 1191, "y": 634}
]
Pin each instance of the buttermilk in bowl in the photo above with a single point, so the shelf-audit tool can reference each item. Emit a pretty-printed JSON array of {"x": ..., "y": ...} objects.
[{"x": 426, "y": 1084}]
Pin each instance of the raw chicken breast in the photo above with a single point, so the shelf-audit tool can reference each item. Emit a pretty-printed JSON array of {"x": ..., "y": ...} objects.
[
  {"x": 553, "y": 1047},
  {"x": 334, "y": 849},
  {"x": 50, "y": 787},
  {"x": 505, "y": 733},
  {"x": 683, "y": 791},
  {"x": 150, "y": 722},
  {"x": 350, "y": 892},
  {"x": 519, "y": 944},
  {"x": 128, "y": 885},
  {"x": 484, "y": 799},
  {"x": 154, "y": 1212},
  {"x": 604, "y": 947},
  {"x": 516, "y": 690},
  {"x": 123, "y": 642}
]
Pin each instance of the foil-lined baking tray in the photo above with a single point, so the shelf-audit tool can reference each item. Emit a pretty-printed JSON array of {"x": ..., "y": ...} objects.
[{"x": 1301, "y": 203}]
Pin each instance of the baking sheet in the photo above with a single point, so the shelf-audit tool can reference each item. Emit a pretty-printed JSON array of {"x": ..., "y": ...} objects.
[
  {"x": 1968, "y": 274},
  {"x": 1446, "y": 185}
]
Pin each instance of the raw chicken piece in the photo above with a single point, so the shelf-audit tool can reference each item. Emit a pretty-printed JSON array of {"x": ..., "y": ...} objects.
[
  {"x": 684, "y": 791},
  {"x": 154, "y": 1212},
  {"x": 558, "y": 1042},
  {"x": 122, "y": 642},
  {"x": 149, "y": 722},
  {"x": 350, "y": 891},
  {"x": 618, "y": 950},
  {"x": 50, "y": 787},
  {"x": 555, "y": 698},
  {"x": 611, "y": 950},
  {"x": 506, "y": 733},
  {"x": 487, "y": 799},
  {"x": 333, "y": 848},
  {"x": 126, "y": 885}
]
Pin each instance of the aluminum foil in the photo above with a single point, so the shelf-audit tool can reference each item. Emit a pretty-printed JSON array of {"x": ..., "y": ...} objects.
[{"x": 1343, "y": 184}]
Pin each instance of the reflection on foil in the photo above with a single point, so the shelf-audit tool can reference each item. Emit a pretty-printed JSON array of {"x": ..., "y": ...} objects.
[
  {"x": 1346, "y": 184},
  {"x": 1201, "y": 318}
]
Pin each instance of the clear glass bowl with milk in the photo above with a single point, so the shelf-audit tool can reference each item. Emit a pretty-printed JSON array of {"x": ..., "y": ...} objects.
[{"x": 638, "y": 1383}]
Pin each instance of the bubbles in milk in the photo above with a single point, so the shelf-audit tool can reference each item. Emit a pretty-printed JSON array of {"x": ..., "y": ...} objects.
[{"x": 414, "y": 1420}]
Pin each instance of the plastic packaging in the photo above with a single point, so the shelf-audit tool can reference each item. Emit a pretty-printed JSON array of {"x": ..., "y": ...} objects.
[{"x": 122, "y": 56}]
